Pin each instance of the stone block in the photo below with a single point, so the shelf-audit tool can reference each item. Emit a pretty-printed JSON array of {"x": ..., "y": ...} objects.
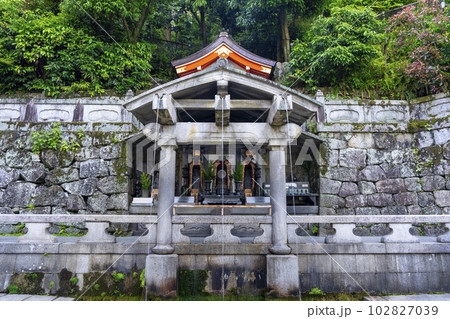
[
  {"x": 362, "y": 140},
  {"x": 425, "y": 199},
  {"x": 16, "y": 158},
  {"x": 372, "y": 173},
  {"x": 112, "y": 185},
  {"x": 414, "y": 210},
  {"x": 329, "y": 186},
  {"x": 423, "y": 139},
  {"x": 18, "y": 194},
  {"x": 53, "y": 159},
  {"x": 391, "y": 186},
  {"x": 345, "y": 211},
  {"x": 49, "y": 196},
  {"x": 404, "y": 199},
  {"x": 86, "y": 153},
  {"x": 348, "y": 188},
  {"x": 117, "y": 201},
  {"x": 442, "y": 198},
  {"x": 84, "y": 187},
  {"x": 367, "y": 211},
  {"x": 110, "y": 151},
  {"x": 282, "y": 276},
  {"x": 446, "y": 150},
  {"x": 404, "y": 140},
  {"x": 326, "y": 211},
  {"x": 441, "y": 136},
  {"x": 36, "y": 210},
  {"x": 332, "y": 201},
  {"x": 413, "y": 184},
  {"x": 432, "y": 183},
  {"x": 356, "y": 201},
  {"x": 394, "y": 210},
  {"x": 366, "y": 188},
  {"x": 343, "y": 174},
  {"x": 62, "y": 175},
  {"x": 384, "y": 141},
  {"x": 93, "y": 168},
  {"x": 351, "y": 157},
  {"x": 33, "y": 172},
  {"x": 380, "y": 200},
  {"x": 379, "y": 230},
  {"x": 161, "y": 275},
  {"x": 336, "y": 144},
  {"x": 97, "y": 202},
  {"x": 75, "y": 202},
  {"x": 37, "y": 233},
  {"x": 8, "y": 175},
  {"x": 375, "y": 157},
  {"x": 431, "y": 210}
]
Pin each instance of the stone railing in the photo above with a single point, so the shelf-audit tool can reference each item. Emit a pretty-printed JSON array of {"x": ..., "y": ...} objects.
[{"x": 204, "y": 229}]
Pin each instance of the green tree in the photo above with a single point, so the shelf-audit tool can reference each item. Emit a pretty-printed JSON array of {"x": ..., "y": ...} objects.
[{"x": 337, "y": 46}]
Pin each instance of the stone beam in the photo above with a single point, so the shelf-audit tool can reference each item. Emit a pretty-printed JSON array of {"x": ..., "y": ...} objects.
[
  {"x": 210, "y": 133},
  {"x": 164, "y": 108},
  {"x": 280, "y": 105},
  {"x": 192, "y": 104},
  {"x": 222, "y": 110}
]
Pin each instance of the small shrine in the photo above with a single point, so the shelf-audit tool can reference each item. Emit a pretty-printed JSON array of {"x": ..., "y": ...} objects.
[{"x": 215, "y": 140}]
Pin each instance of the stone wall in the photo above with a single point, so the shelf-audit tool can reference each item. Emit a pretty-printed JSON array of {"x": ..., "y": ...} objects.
[
  {"x": 91, "y": 180},
  {"x": 388, "y": 158}
]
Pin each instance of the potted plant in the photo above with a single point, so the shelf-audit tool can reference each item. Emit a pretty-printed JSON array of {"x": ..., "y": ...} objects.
[
  {"x": 237, "y": 176},
  {"x": 208, "y": 175},
  {"x": 146, "y": 182}
]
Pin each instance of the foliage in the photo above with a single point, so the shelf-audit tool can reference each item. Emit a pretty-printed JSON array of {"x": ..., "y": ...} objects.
[
  {"x": 208, "y": 172},
  {"x": 315, "y": 291},
  {"x": 117, "y": 276},
  {"x": 146, "y": 181},
  {"x": 73, "y": 281},
  {"x": 237, "y": 172},
  {"x": 336, "y": 46},
  {"x": 43, "y": 52},
  {"x": 420, "y": 34},
  {"x": 142, "y": 278},
  {"x": 13, "y": 289},
  {"x": 52, "y": 139}
]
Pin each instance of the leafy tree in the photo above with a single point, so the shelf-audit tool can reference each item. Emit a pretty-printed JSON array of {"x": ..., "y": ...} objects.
[
  {"x": 337, "y": 46},
  {"x": 275, "y": 15},
  {"x": 419, "y": 36},
  {"x": 46, "y": 54}
]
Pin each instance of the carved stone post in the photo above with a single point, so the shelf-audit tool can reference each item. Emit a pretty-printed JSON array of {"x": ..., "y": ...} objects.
[
  {"x": 278, "y": 200},
  {"x": 165, "y": 200}
]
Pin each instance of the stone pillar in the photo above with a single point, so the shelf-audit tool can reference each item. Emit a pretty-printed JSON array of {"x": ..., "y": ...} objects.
[
  {"x": 165, "y": 200},
  {"x": 278, "y": 200}
]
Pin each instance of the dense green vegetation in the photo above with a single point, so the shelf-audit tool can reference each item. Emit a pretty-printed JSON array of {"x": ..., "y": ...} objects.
[{"x": 353, "y": 48}]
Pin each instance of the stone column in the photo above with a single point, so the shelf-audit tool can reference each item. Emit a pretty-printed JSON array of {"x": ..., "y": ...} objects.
[
  {"x": 278, "y": 200},
  {"x": 165, "y": 200}
]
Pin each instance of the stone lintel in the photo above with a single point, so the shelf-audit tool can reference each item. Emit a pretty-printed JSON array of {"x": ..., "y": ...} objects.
[
  {"x": 210, "y": 133},
  {"x": 164, "y": 108},
  {"x": 281, "y": 104},
  {"x": 222, "y": 110}
]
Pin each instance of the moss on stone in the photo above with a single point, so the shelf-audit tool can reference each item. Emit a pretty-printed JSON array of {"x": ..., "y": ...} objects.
[
  {"x": 415, "y": 126},
  {"x": 29, "y": 283},
  {"x": 191, "y": 282},
  {"x": 120, "y": 165}
]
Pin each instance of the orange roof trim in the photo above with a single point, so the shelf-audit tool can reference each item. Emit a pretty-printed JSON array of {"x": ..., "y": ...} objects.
[{"x": 224, "y": 47}]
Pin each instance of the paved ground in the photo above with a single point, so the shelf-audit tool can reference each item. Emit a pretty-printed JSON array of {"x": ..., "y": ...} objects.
[
  {"x": 5, "y": 297},
  {"x": 431, "y": 297}
]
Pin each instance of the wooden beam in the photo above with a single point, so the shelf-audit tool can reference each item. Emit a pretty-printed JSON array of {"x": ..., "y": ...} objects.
[
  {"x": 222, "y": 110},
  {"x": 164, "y": 108},
  {"x": 280, "y": 105}
]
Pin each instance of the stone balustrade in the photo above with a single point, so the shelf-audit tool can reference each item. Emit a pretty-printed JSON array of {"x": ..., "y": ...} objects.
[{"x": 207, "y": 229}]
